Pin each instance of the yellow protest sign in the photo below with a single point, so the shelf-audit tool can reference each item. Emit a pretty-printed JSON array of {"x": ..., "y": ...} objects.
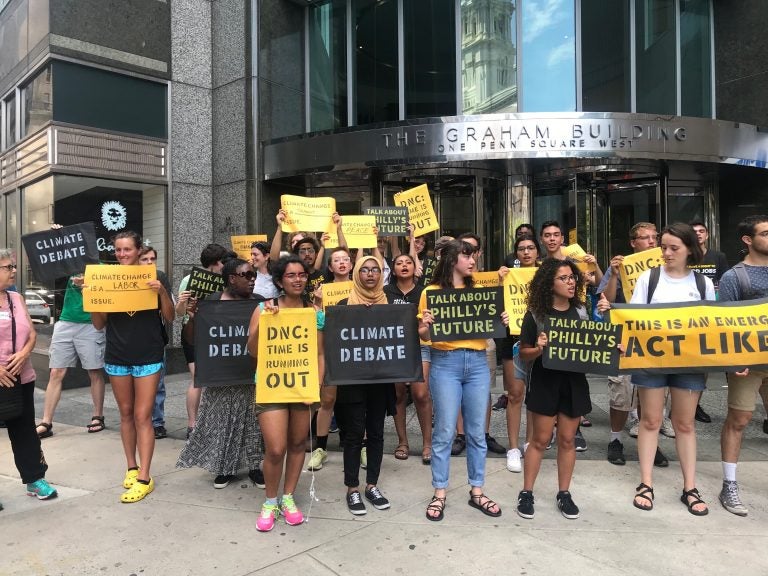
[
  {"x": 577, "y": 253},
  {"x": 634, "y": 265},
  {"x": 516, "y": 296},
  {"x": 306, "y": 214},
  {"x": 286, "y": 369},
  {"x": 118, "y": 288},
  {"x": 359, "y": 231},
  {"x": 333, "y": 292},
  {"x": 242, "y": 244},
  {"x": 420, "y": 211},
  {"x": 693, "y": 336},
  {"x": 486, "y": 279}
]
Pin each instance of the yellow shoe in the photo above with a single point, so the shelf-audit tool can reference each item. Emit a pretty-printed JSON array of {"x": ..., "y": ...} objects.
[
  {"x": 130, "y": 478},
  {"x": 137, "y": 492}
]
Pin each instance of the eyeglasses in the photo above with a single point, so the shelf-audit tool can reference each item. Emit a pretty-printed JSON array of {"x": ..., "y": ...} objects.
[
  {"x": 248, "y": 274},
  {"x": 366, "y": 270},
  {"x": 566, "y": 278},
  {"x": 9, "y": 267},
  {"x": 294, "y": 275},
  {"x": 306, "y": 250},
  {"x": 526, "y": 248}
]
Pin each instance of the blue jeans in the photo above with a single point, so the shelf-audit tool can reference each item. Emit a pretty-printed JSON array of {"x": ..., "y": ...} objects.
[
  {"x": 459, "y": 379},
  {"x": 158, "y": 412}
]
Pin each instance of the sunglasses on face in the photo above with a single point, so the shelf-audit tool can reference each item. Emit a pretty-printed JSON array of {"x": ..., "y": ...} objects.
[{"x": 248, "y": 274}]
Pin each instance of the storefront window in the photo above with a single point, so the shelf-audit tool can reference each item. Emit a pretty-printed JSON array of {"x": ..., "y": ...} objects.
[
  {"x": 549, "y": 56},
  {"x": 328, "y": 65},
  {"x": 376, "y": 60},
  {"x": 10, "y": 122},
  {"x": 430, "y": 58},
  {"x": 656, "y": 56},
  {"x": 605, "y": 58},
  {"x": 696, "y": 58},
  {"x": 38, "y": 102},
  {"x": 489, "y": 56}
]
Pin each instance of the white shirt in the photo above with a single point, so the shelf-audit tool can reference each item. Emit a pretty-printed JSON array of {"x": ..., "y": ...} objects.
[{"x": 670, "y": 289}]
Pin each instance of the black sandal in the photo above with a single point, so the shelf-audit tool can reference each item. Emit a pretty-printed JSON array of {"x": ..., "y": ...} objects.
[
  {"x": 642, "y": 492},
  {"x": 437, "y": 504},
  {"x": 47, "y": 432},
  {"x": 96, "y": 425},
  {"x": 476, "y": 501},
  {"x": 693, "y": 493}
]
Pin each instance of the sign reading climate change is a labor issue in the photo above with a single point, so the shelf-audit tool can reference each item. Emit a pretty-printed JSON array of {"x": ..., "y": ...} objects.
[
  {"x": 634, "y": 265},
  {"x": 421, "y": 213},
  {"x": 117, "y": 288},
  {"x": 307, "y": 214},
  {"x": 221, "y": 338},
  {"x": 203, "y": 282},
  {"x": 516, "y": 296},
  {"x": 390, "y": 220},
  {"x": 287, "y": 362},
  {"x": 693, "y": 336},
  {"x": 372, "y": 344},
  {"x": 466, "y": 314},
  {"x": 242, "y": 244},
  {"x": 61, "y": 252},
  {"x": 576, "y": 345}
]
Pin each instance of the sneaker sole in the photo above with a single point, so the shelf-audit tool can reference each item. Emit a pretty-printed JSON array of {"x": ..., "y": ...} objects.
[
  {"x": 358, "y": 512},
  {"x": 569, "y": 516},
  {"x": 514, "y": 469},
  {"x": 39, "y": 497},
  {"x": 314, "y": 468},
  {"x": 266, "y": 529},
  {"x": 741, "y": 513},
  {"x": 380, "y": 506},
  {"x": 526, "y": 516},
  {"x": 581, "y": 449},
  {"x": 291, "y": 523},
  {"x": 617, "y": 462}
]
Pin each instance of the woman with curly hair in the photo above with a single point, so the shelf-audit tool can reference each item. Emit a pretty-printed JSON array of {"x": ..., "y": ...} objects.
[{"x": 556, "y": 291}]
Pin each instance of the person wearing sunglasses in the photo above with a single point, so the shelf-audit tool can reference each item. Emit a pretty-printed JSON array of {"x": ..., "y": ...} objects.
[{"x": 227, "y": 437}]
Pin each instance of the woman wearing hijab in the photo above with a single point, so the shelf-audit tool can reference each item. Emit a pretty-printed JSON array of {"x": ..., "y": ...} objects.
[{"x": 361, "y": 408}]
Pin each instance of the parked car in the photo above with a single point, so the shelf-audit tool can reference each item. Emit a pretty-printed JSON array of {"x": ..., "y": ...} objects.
[{"x": 38, "y": 307}]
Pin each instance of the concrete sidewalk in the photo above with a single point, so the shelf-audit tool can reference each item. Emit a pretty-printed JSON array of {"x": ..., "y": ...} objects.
[{"x": 187, "y": 527}]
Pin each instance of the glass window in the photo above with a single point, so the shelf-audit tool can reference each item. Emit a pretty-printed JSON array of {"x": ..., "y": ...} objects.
[
  {"x": 328, "y": 65},
  {"x": 430, "y": 58},
  {"x": 376, "y": 71},
  {"x": 656, "y": 56},
  {"x": 10, "y": 122},
  {"x": 605, "y": 58},
  {"x": 549, "y": 56},
  {"x": 38, "y": 102},
  {"x": 489, "y": 56},
  {"x": 696, "y": 58}
]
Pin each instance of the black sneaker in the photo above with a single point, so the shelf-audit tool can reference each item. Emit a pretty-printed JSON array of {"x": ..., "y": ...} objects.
[
  {"x": 702, "y": 416},
  {"x": 616, "y": 453},
  {"x": 160, "y": 432},
  {"x": 355, "y": 503},
  {"x": 525, "y": 504},
  {"x": 659, "y": 460},
  {"x": 222, "y": 480},
  {"x": 257, "y": 477},
  {"x": 566, "y": 506},
  {"x": 501, "y": 403},
  {"x": 580, "y": 442},
  {"x": 494, "y": 446},
  {"x": 375, "y": 497},
  {"x": 459, "y": 443}
]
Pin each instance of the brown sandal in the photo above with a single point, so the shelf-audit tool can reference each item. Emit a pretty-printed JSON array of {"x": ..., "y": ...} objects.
[
  {"x": 476, "y": 501},
  {"x": 401, "y": 452},
  {"x": 96, "y": 425},
  {"x": 47, "y": 432},
  {"x": 643, "y": 492},
  {"x": 437, "y": 504}
]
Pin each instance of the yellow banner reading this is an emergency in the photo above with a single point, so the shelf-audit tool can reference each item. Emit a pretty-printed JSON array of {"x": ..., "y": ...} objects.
[
  {"x": 420, "y": 210},
  {"x": 242, "y": 244},
  {"x": 634, "y": 265},
  {"x": 516, "y": 295},
  {"x": 118, "y": 288},
  {"x": 306, "y": 214}
]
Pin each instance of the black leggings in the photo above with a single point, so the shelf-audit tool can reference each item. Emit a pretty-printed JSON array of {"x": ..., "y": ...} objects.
[{"x": 25, "y": 443}]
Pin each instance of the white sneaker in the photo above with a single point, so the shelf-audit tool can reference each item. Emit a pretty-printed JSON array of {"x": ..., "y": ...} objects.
[
  {"x": 513, "y": 460},
  {"x": 667, "y": 428},
  {"x": 634, "y": 427},
  {"x": 317, "y": 459}
]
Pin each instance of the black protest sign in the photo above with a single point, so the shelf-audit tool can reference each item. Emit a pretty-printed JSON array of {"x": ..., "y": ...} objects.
[
  {"x": 371, "y": 344},
  {"x": 203, "y": 282},
  {"x": 575, "y": 345},
  {"x": 61, "y": 252},
  {"x": 221, "y": 343},
  {"x": 466, "y": 314},
  {"x": 390, "y": 220}
]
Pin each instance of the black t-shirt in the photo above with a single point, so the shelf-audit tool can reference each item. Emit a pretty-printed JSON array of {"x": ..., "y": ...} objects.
[
  {"x": 396, "y": 296},
  {"x": 713, "y": 265},
  {"x": 315, "y": 279},
  {"x": 134, "y": 339}
]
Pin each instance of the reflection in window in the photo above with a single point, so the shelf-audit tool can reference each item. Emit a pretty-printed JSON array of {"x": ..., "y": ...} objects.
[
  {"x": 549, "y": 56},
  {"x": 656, "y": 56},
  {"x": 489, "y": 56},
  {"x": 375, "y": 44},
  {"x": 430, "y": 58},
  {"x": 605, "y": 58},
  {"x": 10, "y": 122},
  {"x": 38, "y": 103},
  {"x": 328, "y": 65},
  {"x": 696, "y": 58}
]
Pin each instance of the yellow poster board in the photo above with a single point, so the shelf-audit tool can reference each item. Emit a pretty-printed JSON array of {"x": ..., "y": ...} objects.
[
  {"x": 420, "y": 210},
  {"x": 242, "y": 244},
  {"x": 286, "y": 368},
  {"x": 306, "y": 214},
  {"x": 516, "y": 296},
  {"x": 486, "y": 279},
  {"x": 634, "y": 265},
  {"x": 118, "y": 288},
  {"x": 577, "y": 253},
  {"x": 333, "y": 292}
]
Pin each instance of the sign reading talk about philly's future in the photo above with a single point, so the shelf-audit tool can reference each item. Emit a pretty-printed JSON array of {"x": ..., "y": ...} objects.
[
  {"x": 466, "y": 314},
  {"x": 203, "y": 282},
  {"x": 576, "y": 345},
  {"x": 390, "y": 220},
  {"x": 62, "y": 251}
]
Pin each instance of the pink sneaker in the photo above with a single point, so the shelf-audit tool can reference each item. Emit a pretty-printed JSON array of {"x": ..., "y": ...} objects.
[
  {"x": 266, "y": 520},
  {"x": 290, "y": 512}
]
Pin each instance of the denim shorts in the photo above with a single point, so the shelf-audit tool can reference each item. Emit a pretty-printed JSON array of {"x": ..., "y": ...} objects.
[
  {"x": 138, "y": 371},
  {"x": 426, "y": 353},
  {"x": 693, "y": 382}
]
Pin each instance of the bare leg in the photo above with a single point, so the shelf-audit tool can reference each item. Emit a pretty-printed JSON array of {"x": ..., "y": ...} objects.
[
  {"x": 193, "y": 398},
  {"x": 324, "y": 415},
  {"x": 566, "y": 449},
  {"x": 145, "y": 390},
  {"x": 53, "y": 393},
  {"x": 97, "y": 391},
  {"x": 298, "y": 428},
  {"x": 274, "y": 429},
  {"x": 401, "y": 394},
  {"x": 541, "y": 434},
  {"x": 423, "y": 402},
  {"x": 652, "y": 400},
  {"x": 515, "y": 392},
  {"x": 732, "y": 433},
  {"x": 684, "y": 404}
]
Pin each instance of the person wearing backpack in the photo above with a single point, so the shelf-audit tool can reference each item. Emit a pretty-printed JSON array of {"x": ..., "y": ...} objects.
[
  {"x": 672, "y": 282},
  {"x": 748, "y": 280}
]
